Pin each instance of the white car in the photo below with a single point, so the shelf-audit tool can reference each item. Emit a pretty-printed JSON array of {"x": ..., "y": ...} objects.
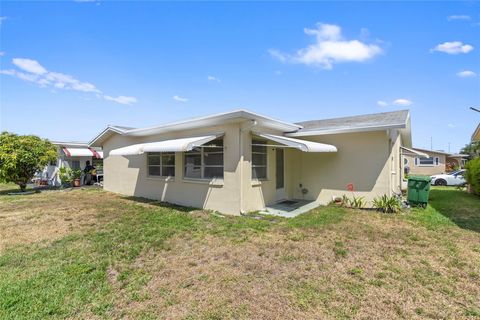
[{"x": 454, "y": 178}]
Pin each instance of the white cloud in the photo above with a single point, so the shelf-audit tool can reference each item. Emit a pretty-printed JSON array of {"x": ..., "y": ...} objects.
[
  {"x": 29, "y": 65},
  {"x": 213, "y": 78},
  {"x": 329, "y": 48},
  {"x": 180, "y": 99},
  {"x": 33, "y": 71},
  {"x": 402, "y": 102},
  {"x": 2, "y": 53},
  {"x": 453, "y": 47},
  {"x": 382, "y": 103},
  {"x": 451, "y": 125},
  {"x": 458, "y": 17},
  {"x": 466, "y": 74},
  {"x": 122, "y": 99}
]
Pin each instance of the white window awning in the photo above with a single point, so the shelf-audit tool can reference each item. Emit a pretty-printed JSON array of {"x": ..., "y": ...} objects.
[
  {"x": 174, "y": 145},
  {"x": 82, "y": 152},
  {"x": 303, "y": 145},
  {"x": 414, "y": 152}
]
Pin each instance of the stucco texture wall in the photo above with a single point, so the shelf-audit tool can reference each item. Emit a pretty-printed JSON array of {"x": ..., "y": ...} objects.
[{"x": 128, "y": 174}]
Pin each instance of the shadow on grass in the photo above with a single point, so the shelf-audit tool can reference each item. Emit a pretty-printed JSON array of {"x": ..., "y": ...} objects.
[
  {"x": 17, "y": 192},
  {"x": 160, "y": 204},
  {"x": 460, "y": 207}
]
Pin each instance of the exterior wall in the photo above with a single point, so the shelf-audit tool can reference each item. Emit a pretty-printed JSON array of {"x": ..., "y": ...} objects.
[
  {"x": 370, "y": 160},
  {"x": 426, "y": 170},
  {"x": 128, "y": 175},
  {"x": 364, "y": 159}
]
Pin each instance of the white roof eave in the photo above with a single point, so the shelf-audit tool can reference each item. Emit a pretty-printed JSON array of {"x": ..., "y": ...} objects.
[
  {"x": 320, "y": 132},
  {"x": 213, "y": 120}
]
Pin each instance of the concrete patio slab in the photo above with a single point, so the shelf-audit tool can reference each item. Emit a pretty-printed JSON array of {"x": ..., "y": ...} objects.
[{"x": 290, "y": 208}]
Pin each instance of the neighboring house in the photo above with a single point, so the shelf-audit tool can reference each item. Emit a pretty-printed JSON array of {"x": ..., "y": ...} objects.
[
  {"x": 476, "y": 134},
  {"x": 240, "y": 161},
  {"x": 431, "y": 162},
  {"x": 456, "y": 160},
  {"x": 72, "y": 155}
]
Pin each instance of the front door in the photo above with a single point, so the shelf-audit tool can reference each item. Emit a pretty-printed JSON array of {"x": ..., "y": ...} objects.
[{"x": 279, "y": 174}]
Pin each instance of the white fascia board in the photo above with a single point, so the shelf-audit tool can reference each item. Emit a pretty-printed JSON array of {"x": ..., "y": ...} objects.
[
  {"x": 100, "y": 136},
  {"x": 213, "y": 120},
  {"x": 344, "y": 130}
]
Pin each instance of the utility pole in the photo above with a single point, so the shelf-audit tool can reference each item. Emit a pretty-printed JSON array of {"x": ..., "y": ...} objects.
[
  {"x": 474, "y": 109},
  {"x": 449, "y": 147},
  {"x": 431, "y": 143}
]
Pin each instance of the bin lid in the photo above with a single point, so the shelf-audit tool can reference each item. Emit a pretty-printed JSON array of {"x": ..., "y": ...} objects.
[{"x": 420, "y": 178}]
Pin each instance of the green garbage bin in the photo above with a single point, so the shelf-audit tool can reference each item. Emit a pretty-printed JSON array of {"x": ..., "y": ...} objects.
[{"x": 418, "y": 190}]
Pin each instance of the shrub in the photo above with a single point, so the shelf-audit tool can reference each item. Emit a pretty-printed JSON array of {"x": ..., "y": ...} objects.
[
  {"x": 473, "y": 174},
  {"x": 65, "y": 175},
  {"x": 357, "y": 202},
  {"x": 387, "y": 204}
]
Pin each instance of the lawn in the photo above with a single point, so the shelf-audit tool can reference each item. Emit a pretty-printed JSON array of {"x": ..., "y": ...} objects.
[{"x": 92, "y": 254}]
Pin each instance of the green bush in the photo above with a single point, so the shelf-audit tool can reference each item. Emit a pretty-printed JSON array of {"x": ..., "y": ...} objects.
[
  {"x": 473, "y": 174},
  {"x": 65, "y": 175},
  {"x": 387, "y": 204}
]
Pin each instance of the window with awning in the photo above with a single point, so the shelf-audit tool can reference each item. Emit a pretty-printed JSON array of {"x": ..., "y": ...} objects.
[
  {"x": 82, "y": 152},
  {"x": 173, "y": 145},
  {"x": 302, "y": 145}
]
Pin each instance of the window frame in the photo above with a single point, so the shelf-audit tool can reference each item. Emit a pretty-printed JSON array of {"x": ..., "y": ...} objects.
[
  {"x": 71, "y": 162},
  {"x": 201, "y": 151},
  {"x": 160, "y": 165},
  {"x": 253, "y": 144},
  {"x": 435, "y": 162}
]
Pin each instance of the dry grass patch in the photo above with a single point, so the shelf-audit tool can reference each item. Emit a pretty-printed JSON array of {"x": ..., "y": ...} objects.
[
  {"x": 127, "y": 258},
  {"x": 51, "y": 215}
]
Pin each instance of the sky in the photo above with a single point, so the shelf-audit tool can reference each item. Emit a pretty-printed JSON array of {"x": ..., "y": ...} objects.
[{"x": 70, "y": 68}]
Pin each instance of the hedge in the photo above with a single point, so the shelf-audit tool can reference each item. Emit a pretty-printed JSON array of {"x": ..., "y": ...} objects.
[{"x": 473, "y": 174}]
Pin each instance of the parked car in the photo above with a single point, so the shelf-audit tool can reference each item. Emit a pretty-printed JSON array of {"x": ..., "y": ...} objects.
[{"x": 453, "y": 178}]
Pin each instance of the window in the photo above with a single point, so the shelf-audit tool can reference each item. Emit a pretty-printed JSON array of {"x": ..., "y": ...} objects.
[
  {"x": 422, "y": 161},
  {"x": 161, "y": 164},
  {"x": 405, "y": 161},
  {"x": 205, "y": 162},
  {"x": 74, "y": 164},
  {"x": 259, "y": 159}
]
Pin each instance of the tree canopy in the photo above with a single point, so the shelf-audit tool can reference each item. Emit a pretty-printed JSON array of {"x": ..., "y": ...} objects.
[
  {"x": 472, "y": 149},
  {"x": 22, "y": 156}
]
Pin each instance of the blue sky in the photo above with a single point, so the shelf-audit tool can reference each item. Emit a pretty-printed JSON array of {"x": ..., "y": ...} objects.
[{"x": 70, "y": 68}]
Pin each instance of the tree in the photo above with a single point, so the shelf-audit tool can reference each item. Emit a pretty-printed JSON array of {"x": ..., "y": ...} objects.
[
  {"x": 472, "y": 149},
  {"x": 22, "y": 156}
]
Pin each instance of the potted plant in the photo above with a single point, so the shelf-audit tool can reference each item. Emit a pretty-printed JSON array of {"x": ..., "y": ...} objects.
[
  {"x": 76, "y": 174},
  {"x": 65, "y": 175}
]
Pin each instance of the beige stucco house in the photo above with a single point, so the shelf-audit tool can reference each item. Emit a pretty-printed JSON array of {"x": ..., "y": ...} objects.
[
  {"x": 430, "y": 162},
  {"x": 240, "y": 161}
]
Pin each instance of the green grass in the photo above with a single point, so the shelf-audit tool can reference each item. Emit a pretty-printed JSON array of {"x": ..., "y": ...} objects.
[
  {"x": 447, "y": 206},
  {"x": 322, "y": 258}
]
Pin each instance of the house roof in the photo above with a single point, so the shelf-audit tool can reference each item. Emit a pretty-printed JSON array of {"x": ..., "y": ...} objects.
[
  {"x": 70, "y": 143},
  {"x": 368, "y": 122},
  {"x": 199, "y": 122},
  {"x": 476, "y": 134},
  {"x": 372, "y": 122},
  {"x": 448, "y": 154}
]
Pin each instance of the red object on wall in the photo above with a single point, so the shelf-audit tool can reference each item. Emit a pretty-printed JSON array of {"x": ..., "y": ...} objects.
[{"x": 350, "y": 187}]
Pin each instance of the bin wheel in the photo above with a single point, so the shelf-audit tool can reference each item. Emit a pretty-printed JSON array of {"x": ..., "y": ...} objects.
[{"x": 440, "y": 182}]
